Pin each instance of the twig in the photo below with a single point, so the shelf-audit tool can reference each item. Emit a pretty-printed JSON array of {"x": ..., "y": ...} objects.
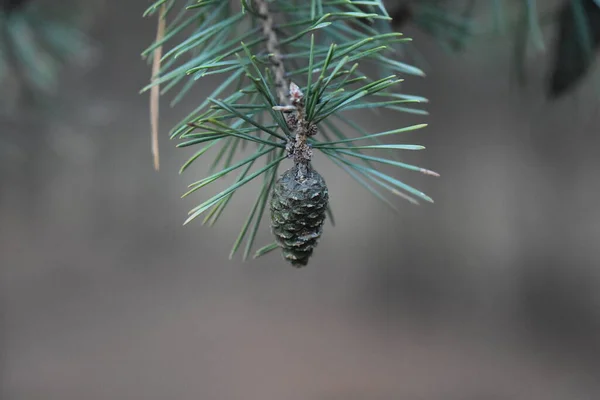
[
  {"x": 155, "y": 91},
  {"x": 274, "y": 51},
  {"x": 297, "y": 145}
]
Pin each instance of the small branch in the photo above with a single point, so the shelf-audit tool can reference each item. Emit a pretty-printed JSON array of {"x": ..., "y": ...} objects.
[
  {"x": 155, "y": 91},
  {"x": 273, "y": 49},
  {"x": 297, "y": 145}
]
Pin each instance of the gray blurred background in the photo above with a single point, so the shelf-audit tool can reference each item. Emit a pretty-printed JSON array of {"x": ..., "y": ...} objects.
[{"x": 490, "y": 293}]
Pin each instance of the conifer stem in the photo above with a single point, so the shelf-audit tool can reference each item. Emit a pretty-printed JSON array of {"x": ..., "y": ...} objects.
[
  {"x": 274, "y": 51},
  {"x": 297, "y": 146}
]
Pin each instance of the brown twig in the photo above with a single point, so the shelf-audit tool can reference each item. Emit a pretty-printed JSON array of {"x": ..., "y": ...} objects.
[
  {"x": 273, "y": 49},
  {"x": 155, "y": 91},
  {"x": 297, "y": 146}
]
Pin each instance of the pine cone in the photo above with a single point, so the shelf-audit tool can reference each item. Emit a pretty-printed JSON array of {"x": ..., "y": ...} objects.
[{"x": 298, "y": 213}]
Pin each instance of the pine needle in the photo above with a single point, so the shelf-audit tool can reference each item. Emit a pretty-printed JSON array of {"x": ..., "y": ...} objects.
[
  {"x": 251, "y": 105},
  {"x": 155, "y": 91}
]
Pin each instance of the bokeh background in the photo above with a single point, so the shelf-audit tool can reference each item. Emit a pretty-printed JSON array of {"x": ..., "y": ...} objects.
[{"x": 490, "y": 293}]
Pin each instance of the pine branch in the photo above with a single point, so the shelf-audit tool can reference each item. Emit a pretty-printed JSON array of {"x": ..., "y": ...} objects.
[
  {"x": 297, "y": 147},
  {"x": 316, "y": 51},
  {"x": 578, "y": 40},
  {"x": 273, "y": 48},
  {"x": 35, "y": 42},
  {"x": 576, "y": 22}
]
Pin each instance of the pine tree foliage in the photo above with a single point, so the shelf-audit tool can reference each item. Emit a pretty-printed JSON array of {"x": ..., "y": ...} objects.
[
  {"x": 259, "y": 51},
  {"x": 328, "y": 48},
  {"x": 528, "y": 24},
  {"x": 578, "y": 41},
  {"x": 36, "y": 40}
]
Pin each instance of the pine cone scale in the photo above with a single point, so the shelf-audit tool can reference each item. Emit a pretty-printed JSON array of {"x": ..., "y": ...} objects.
[{"x": 298, "y": 213}]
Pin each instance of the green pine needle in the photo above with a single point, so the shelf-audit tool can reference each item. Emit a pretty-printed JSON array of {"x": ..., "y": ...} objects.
[{"x": 326, "y": 46}]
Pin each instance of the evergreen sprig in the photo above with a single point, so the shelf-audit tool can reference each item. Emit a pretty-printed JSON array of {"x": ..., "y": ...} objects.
[
  {"x": 35, "y": 41},
  {"x": 526, "y": 23},
  {"x": 323, "y": 47}
]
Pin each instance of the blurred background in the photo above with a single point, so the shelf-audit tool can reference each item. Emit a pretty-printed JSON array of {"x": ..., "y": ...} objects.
[{"x": 490, "y": 293}]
